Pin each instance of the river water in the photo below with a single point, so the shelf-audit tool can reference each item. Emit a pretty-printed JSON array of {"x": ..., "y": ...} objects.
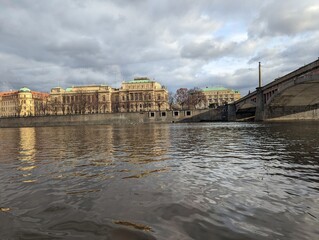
[{"x": 161, "y": 181}]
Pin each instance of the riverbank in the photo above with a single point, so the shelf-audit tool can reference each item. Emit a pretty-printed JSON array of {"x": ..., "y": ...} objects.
[{"x": 205, "y": 115}]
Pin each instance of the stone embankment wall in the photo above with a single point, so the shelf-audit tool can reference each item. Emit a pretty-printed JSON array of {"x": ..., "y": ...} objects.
[
  {"x": 115, "y": 118},
  {"x": 298, "y": 113}
]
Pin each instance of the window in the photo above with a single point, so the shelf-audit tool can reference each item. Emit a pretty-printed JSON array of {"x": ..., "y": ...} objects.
[
  {"x": 188, "y": 113},
  {"x": 152, "y": 114},
  {"x": 176, "y": 114},
  {"x": 163, "y": 114}
]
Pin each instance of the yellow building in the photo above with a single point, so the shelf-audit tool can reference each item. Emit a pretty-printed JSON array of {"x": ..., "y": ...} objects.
[
  {"x": 140, "y": 95},
  {"x": 81, "y": 99},
  {"x": 9, "y": 103},
  {"x": 217, "y": 96},
  {"x": 22, "y": 103}
]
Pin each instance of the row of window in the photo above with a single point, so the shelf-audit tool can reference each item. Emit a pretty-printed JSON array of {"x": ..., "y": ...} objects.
[
  {"x": 77, "y": 98},
  {"x": 220, "y": 99},
  {"x": 137, "y": 87},
  {"x": 8, "y": 109},
  {"x": 174, "y": 114},
  {"x": 222, "y": 95},
  {"x": 138, "y": 97}
]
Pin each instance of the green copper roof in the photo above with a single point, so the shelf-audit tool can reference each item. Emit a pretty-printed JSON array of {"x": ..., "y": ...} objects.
[
  {"x": 208, "y": 89},
  {"x": 68, "y": 89},
  {"x": 24, "y": 89},
  {"x": 140, "y": 81}
]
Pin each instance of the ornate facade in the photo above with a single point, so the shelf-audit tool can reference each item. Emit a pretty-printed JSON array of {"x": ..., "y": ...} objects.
[
  {"x": 81, "y": 99},
  {"x": 140, "y": 95},
  {"x": 23, "y": 103},
  {"x": 217, "y": 96}
]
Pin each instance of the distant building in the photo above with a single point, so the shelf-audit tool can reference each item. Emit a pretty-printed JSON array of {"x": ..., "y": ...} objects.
[
  {"x": 81, "y": 99},
  {"x": 8, "y": 104},
  {"x": 23, "y": 103},
  {"x": 139, "y": 95},
  {"x": 217, "y": 96}
]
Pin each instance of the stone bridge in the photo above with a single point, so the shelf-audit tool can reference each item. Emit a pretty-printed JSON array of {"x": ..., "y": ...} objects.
[{"x": 294, "y": 96}]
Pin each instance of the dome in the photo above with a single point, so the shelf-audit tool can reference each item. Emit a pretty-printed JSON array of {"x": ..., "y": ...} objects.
[{"x": 24, "y": 89}]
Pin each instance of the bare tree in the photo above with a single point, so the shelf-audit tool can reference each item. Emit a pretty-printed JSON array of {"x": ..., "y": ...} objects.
[
  {"x": 95, "y": 102},
  {"x": 181, "y": 97},
  {"x": 197, "y": 98},
  {"x": 18, "y": 107},
  {"x": 55, "y": 105},
  {"x": 171, "y": 100},
  {"x": 45, "y": 107},
  {"x": 63, "y": 107},
  {"x": 37, "y": 108},
  {"x": 82, "y": 101}
]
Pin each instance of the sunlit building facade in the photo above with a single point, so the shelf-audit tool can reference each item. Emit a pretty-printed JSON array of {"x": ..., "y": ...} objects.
[
  {"x": 217, "y": 96},
  {"x": 140, "y": 95},
  {"x": 81, "y": 99},
  {"x": 23, "y": 103}
]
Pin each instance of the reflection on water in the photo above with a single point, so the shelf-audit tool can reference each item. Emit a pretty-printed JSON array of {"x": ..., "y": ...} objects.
[
  {"x": 27, "y": 144},
  {"x": 27, "y": 153},
  {"x": 178, "y": 181}
]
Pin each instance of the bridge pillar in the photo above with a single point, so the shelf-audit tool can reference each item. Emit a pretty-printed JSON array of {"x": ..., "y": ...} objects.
[
  {"x": 259, "y": 115},
  {"x": 231, "y": 112}
]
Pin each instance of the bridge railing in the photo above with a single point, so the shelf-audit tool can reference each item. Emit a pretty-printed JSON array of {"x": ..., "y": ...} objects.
[{"x": 281, "y": 80}]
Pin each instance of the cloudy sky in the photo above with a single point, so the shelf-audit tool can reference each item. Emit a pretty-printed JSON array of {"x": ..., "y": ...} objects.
[{"x": 180, "y": 43}]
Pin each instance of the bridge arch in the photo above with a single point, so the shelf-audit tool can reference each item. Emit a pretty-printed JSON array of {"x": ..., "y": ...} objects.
[{"x": 297, "y": 99}]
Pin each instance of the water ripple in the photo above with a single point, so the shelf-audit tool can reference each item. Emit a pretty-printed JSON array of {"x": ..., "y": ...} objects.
[{"x": 178, "y": 181}]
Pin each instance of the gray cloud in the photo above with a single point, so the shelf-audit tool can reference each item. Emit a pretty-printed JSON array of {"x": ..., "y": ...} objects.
[
  {"x": 180, "y": 43},
  {"x": 208, "y": 49},
  {"x": 279, "y": 18}
]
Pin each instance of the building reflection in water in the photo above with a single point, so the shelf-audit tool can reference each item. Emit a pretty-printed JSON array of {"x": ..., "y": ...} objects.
[
  {"x": 27, "y": 152},
  {"x": 137, "y": 148}
]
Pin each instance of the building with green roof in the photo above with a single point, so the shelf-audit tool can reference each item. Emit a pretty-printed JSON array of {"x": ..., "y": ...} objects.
[
  {"x": 217, "y": 96},
  {"x": 24, "y": 89}
]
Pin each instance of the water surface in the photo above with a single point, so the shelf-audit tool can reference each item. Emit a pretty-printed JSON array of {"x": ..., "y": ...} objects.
[{"x": 164, "y": 181}]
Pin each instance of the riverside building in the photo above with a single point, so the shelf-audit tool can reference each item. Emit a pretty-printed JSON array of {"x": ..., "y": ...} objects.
[
  {"x": 138, "y": 95},
  {"x": 217, "y": 96},
  {"x": 81, "y": 99},
  {"x": 23, "y": 102}
]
